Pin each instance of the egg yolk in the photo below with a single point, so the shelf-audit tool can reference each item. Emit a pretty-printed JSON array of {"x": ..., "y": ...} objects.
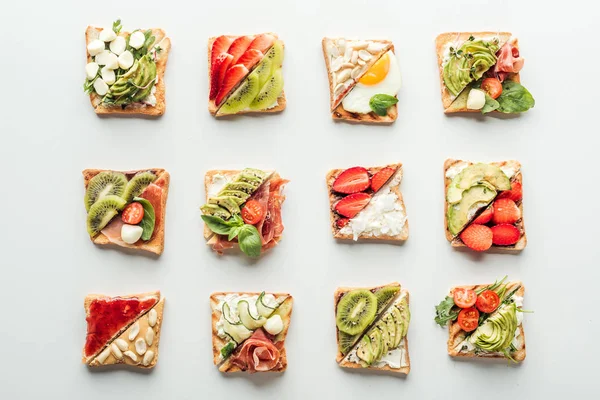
[{"x": 377, "y": 72}]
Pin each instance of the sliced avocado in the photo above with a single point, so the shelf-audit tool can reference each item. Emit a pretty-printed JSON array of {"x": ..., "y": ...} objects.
[
  {"x": 398, "y": 325},
  {"x": 385, "y": 336},
  {"x": 459, "y": 215},
  {"x": 391, "y": 330},
  {"x": 497, "y": 332},
  {"x": 402, "y": 306},
  {"x": 240, "y": 186},
  {"x": 364, "y": 351},
  {"x": 257, "y": 173},
  {"x": 226, "y": 202},
  {"x": 483, "y": 172},
  {"x": 250, "y": 179},
  {"x": 468, "y": 63},
  {"x": 376, "y": 343},
  {"x": 241, "y": 196},
  {"x": 215, "y": 211}
]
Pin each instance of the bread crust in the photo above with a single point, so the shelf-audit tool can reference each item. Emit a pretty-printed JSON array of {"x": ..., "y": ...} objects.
[
  {"x": 157, "y": 110},
  {"x": 156, "y": 244},
  {"x": 94, "y": 296},
  {"x": 455, "y": 241},
  {"x": 333, "y": 198},
  {"x": 441, "y": 42},
  {"x": 212, "y": 107},
  {"x": 456, "y": 334},
  {"x": 218, "y": 343}
]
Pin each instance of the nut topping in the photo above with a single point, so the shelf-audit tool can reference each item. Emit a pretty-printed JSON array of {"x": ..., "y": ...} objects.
[
  {"x": 365, "y": 55},
  {"x": 116, "y": 352},
  {"x": 148, "y": 357},
  {"x": 355, "y": 72},
  {"x": 122, "y": 344},
  {"x": 131, "y": 355},
  {"x": 348, "y": 54},
  {"x": 354, "y": 57},
  {"x": 343, "y": 76},
  {"x": 135, "y": 329},
  {"x": 149, "y": 336},
  {"x": 337, "y": 63},
  {"x": 104, "y": 355},
  {"x": 140, "y": 346},
  {"x": 360, "y": 45},
  {"x": 152, "y": 317},
  {"x": 375, "y": 47}
]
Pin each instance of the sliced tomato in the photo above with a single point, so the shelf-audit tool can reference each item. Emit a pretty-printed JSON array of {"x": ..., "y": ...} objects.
[
  {"x": 464, "y": 298},
  {"x": 133, "y": 213},
  {"x": 468, "y": 319},
  {"x": 487, "y": 301},
  {"x": 252, "y": 212},
  {"x": 492, "y": 87}
]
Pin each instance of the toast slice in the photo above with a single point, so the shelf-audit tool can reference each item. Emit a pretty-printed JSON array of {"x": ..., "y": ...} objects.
[
  {"x": 401, "y": 352},
  {"x": 213, "y": 108},
  {"x": 156, "y": 244},
  {"x": 443, "y": 42},
  {"x": 513, "y": 169},
  {"x": 162, "y": 57},
  {"x": 127, "y": 310},
  {"x": 220, "y": 339},
  {"x": 392, "y": 186},
  {"x": 456, "y": 335},
  {"x": 332, "y": 48}
]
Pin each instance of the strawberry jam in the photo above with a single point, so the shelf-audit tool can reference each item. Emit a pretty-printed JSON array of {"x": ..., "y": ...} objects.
[{"x": 107, "y": 317}]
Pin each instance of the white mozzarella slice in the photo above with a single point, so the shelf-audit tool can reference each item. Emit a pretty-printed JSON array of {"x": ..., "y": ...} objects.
[
  {"x": 131, "y": 233},
  {"x": 95, "y": 47},
  {"x": 476, "y": 99},
  {"x": 107, "y": 35},
  {"x": 126, "y": 60},
  {"x": 137, "y": 39},
  {"x": 108, "y": 75},
  {"x": 100, "y": 87},
  {"x": 91, "y": 69},
  {"x": 118, "y": 45}
]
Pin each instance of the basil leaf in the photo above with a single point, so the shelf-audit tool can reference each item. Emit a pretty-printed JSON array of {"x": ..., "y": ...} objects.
[
  {"x": 249, "y": 240},
  {"x": 445, "y": 311},
  {"x": 514, "y": 98},
  {"x": 233, "y": 233},
  {"x": 148, "y": 221},
  {"x": 227, "y": 349},
  {"x": 117, "y": 26},
  {"x": 490, "y": 104},
  {"x": 381, "y": 102},
  {"x": 216, "y": 224}
]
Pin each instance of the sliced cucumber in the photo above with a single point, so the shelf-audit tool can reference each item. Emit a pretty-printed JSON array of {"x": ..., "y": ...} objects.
[
  {"x": 235, "y": 330},
  {"x": 247, "y": 318},
  {"x": 227, "y": 314},
  {"x": 263, "y": 309}
]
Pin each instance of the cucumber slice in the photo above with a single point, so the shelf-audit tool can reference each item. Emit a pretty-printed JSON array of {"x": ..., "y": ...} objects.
[
  {"x": 235, "y": 330},
  {"x": 246, "y": 317},
  {"x": 227, "y": 314},
  {"x": 263, "y": 309}
]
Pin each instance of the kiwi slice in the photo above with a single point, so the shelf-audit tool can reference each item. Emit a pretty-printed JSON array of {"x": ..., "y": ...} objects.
[
  {"x": 263, "y": 70},
  {"x": 242, "y": 97},
  {"x": 384, "y": 295},
  {"x": 345, "y": 342},
  {"x": 215, "y": 211},
  {"x": 137, "y": 184},
  {"x": 355, "y": 311},
  {"x": 103, "y": 184},
  {"x": 269, "y": 92},
  {"x": 102, "y": 212},
  {"x": 275, "y": 55}
]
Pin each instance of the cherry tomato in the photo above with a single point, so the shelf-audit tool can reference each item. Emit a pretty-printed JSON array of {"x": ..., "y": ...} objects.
[
  {"x": 515, "y": 52},
  {"x": 492, "y": 87},
  {"x": 252, "y": 212},
  {"x": 464, "y": 298},
  {"x": 468, "y": 319},
  {"x": 133, "y": 213},
  {"x": 487, "y": 301}
]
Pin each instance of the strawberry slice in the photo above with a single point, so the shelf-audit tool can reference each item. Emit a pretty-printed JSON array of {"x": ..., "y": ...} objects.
[
  {"x": 485, "y": 216},
  {"x": 505, "y": 212},
  {"x": 352, "y": 180},
  {"x": 342, "y": 222},
  {"x": 250, "y": 58},
  {"x": 262, "y": 42},
  {"x": 505, "y": 234},
  {"x": 515, "y": 193},
  {"x": 233, "y": 77},
  {"x": 217, "y": 74},
  {"x": 219, "y": 46},
  {"x": 381, "y": 177},
  {"x": 239, "y": 47},
  {"x": 350, "y": 205},
  {"x": 477, "y": 237}
]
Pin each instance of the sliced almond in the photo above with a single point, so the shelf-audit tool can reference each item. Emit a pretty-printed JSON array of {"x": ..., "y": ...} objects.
[
  {"x": 333, "y": 50},
  {"x": 122, "y": 344},
  {"x": 348, "y": 54},
  {"x": 116, "y": 351},
  {"x": 338, "y": 89},
  {"x": 347, "y": 65},
  {"x": 359, "y": 45},
  {"x": 337, "y": 63},
  {"x": 361, "y": 62},
  {"x": 152, "y": 317},
  {"x": 140, "y": 346},
  {"x": 354, "y": 57},
  {"x": 343, "y": 76},
  {"x": 135, "y": 329},
  {"x": 104, "y": 355},
  {"x": 355, "y": 72},
  {"x": 131, "y": 355},
  {"x": 375, "y": 47},
  {"x": 148, "y": 357},
  {"x": 365, "y": 55}
]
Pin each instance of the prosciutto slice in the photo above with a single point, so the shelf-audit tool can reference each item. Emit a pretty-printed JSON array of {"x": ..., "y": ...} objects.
[
  {"x": 258, "y": 353},
  {"x": 509, "y": 60}
]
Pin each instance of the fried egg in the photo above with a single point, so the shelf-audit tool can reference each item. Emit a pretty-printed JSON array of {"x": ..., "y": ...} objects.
[{"x": 382, "y": 78}]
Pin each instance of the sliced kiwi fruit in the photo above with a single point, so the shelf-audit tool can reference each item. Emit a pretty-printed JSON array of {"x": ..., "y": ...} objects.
[
  {"x": 240, "y": 186},
  {"x": 346, "y": 342},
  {"x": 355, "y": 311},
  {"x": 269, "y": 93},
  {"x": 384, "y": 296},
  {"x": 137, "y": 184},
  {"x": 215, "y": 211},
  {"x": 275, "y": 55},
  {"x": 102, "y": 212},
  {"x": 103, "y": 184},
  {"x": 226, "y": 202},
  {"x": 263, "y": 71},
  {"x": 242, "y": 97}
]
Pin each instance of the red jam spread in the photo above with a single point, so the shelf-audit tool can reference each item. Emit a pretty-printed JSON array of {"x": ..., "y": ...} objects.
[{"x": 106, "y": 317}]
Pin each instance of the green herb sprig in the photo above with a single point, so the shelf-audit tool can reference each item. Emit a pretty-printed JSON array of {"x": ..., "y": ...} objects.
[
  {"x": 381, "y": 102},
  {"x": 248, "y": 237}
]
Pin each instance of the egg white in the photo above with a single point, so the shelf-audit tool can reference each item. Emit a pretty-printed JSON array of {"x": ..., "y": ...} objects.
[{"x": 358, "y": 99}]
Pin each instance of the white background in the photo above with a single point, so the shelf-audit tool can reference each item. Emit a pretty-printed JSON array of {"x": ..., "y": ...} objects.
[{"x": 50, "y": 133}]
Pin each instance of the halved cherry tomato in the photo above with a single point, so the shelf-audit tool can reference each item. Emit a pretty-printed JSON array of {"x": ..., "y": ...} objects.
[
  {"x": 133, "y": 213},
  {"x": 515, "y": 52},
  {"x": 492, "y": 87},
  {"x": 468, "y": 319},
  {"x": 252, "y": 212},
  {"x": 487, "y": 301},
  {"x": 464, "y": 298}
]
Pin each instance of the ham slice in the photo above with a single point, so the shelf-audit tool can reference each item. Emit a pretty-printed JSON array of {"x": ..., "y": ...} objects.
[
  {"x": 258, "y": 353},
  {"x": 272, "y": 227},
  {"x": 262, "y": 196},
  {"x": 509, "y": 61}
]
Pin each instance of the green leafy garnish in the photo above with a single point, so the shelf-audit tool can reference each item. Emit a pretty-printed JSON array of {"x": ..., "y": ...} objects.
[
  {"x": 490, "y": 104},
  {"x": 142, "y": 51},
  {"x": 381, "y": 102},
  {"x": 446, "y": 311},
  {"x": 227, "y": 349},
  {"x": 514, "y": 98},
  {"x": 248, "y": 237},
  {"x": 117, "y": 26},
  {"x": 148, "y": 221},
  {"x": 220, "y": 226},
  {"x": 249, "y": 240}
]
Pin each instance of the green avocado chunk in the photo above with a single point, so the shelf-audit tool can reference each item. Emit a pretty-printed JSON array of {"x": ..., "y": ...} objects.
[
  {"x": 135, "y": 85},
  {"x": 477, "y": 174},
  {"x": 476, "y": 197},
  {"x": 497, "y": 332},
  {"x": 468, "y": 63}
]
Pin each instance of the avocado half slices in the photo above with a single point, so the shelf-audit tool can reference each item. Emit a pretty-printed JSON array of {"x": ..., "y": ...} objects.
[{"x": 497, "y": 332}]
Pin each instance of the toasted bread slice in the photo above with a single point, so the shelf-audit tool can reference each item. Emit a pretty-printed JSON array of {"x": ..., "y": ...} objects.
[
  {"x": 516, "y": 177},
  {"x": 337, "y": 110},
  {"x": 212, "y": 107},
  {"x": 345, "y": 363},
  {"x": 91, "y": 297},
  {"x": 157, "y": 110},
  {"x": 456, "y": 335},
  {"x": 156, "y": 244},
  {"x": 394, "y": 188},
  {"x": 451, "y": 103},
  {"x": 284, "y": 310},
  {"x": 144, "y": 354}
]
